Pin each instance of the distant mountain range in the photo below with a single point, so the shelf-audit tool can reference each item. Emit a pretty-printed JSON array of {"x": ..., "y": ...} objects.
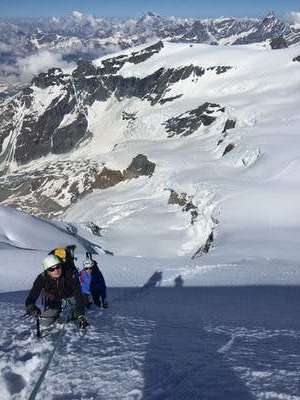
[
  {"x": 87, "y": 37},
  {"x": 150, "y": 135}
]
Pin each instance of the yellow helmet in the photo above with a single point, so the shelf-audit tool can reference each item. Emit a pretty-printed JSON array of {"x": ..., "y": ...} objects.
[{"x": 61, "y": 252}]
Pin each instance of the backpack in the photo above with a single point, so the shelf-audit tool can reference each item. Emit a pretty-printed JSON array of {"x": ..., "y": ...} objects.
[{"x": 66, "y": 255}]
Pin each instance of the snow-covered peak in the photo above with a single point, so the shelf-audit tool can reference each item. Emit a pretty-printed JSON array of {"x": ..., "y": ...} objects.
[
  {"x": 78, "y": 15},
  {"x": 271, "y": 21},
  {"x": 79, "y": 35},
  {"x": 271, "y": 15},
  {"x": 150, "y": 15}
]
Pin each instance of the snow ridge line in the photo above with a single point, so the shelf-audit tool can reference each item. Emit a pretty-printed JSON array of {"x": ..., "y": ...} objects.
[{"x": 46, "y": 367}]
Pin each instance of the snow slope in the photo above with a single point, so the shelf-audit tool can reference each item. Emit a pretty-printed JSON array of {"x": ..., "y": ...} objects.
[
  {"x": 153, "y": 343},
  {"x": 24, "y": 243},
  {"x": 251, "y": 191},
  {"x": 247, "y": 197},
  {"x": 182, "y": 339}
]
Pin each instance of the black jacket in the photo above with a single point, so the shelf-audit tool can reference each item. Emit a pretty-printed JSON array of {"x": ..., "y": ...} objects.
[
  {"x": 98, "y": 285},
  {"x": 54, "y": 290}
]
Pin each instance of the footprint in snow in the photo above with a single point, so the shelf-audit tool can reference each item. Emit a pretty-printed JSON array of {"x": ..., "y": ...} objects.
[{"x": 14, "y": 382}]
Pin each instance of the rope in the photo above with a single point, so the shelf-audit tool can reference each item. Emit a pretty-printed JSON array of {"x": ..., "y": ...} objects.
[
  {"x": 66, "y": 308},
  {"x": 46, "y": 366}
]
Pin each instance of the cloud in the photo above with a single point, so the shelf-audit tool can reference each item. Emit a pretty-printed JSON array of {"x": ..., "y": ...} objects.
[
  {"x": 16, "y": 68},
  {"x": 4, "y": 47},
  {"x": 40, "y": 62},
  {"x": 294, "y": 17}
]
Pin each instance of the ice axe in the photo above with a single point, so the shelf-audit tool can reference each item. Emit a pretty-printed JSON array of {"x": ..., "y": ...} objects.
[{"x": 38, "y": 328}]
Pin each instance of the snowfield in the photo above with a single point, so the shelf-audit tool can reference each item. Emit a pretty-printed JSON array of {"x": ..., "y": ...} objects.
[
  {"x": 220, "y": 326},
  {"x": 153, "y": 343},
  {"x": 251, "y": 191}
]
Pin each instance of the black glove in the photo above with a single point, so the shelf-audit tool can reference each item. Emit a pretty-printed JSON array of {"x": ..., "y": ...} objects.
[
  {"x": 82, "y": 322},
  {"x": 33, "y": 310}
]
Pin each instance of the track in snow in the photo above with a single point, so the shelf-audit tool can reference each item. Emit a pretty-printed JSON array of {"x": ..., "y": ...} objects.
[{"x": 163, "y": 343}]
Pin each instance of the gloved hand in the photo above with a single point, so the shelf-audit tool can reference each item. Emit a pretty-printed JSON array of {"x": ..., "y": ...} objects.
[
  {"x": 33, "y": 310},
  {"x": 82, "y": 322}
]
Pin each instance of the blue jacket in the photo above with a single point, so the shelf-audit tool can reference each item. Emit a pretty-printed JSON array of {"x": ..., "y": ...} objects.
[
  {"x": 85, "y": 280},
  {"x": 93, "y": 283}
]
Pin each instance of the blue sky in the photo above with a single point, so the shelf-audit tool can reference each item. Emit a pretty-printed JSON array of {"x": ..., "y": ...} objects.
[{"x": 119, "y": 8}]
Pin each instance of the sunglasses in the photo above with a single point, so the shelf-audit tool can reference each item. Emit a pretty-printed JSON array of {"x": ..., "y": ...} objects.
[
  {"x": 52, "y": 269},
  {"x": 86, "y": 268}
]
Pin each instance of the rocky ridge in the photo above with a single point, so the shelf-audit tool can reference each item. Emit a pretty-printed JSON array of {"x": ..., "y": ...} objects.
[
  {"x": 48, "y": 193},
  {"x": 83, "y": 137},
  {"x": 84, "y": 36},
  {"x": 60, "y": 122}
]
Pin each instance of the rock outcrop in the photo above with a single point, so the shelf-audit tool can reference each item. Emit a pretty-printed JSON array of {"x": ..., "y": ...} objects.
[
  {"x": 49, "y": 192},
  {"x": 187, "y": 205},
  {"x": 51, "y": 116},
  {"x": 278, "y": 43},
  {"x": 185, "y": 202},
  {"x": 140, "y": 166},
  {"x": 205, "y": 248},
  {"x": 187, "y": 123},
  {"x": 228, "y": 148}
]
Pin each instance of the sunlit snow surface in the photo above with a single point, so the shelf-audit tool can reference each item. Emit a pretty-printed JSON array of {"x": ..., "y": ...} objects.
[{"x": 252, "y": 191}]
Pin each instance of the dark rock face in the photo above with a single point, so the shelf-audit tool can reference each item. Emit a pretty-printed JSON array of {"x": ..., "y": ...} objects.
[
  {"x": 35, "y": 138},
  {"x": 152, "y": 88},
  {"x": 185, "y": 202},
  {"x": 206, "y": 247},
  {"x": 114, "y": 64},
  {"x": 226, "y": 27},
  {"x": 229, "y": 124},
  {"x": 197, "y": 33},
  {"x": 187, "y": 123},
  {"x": 296, "y": 59},
  {"x": 27, "y": 97},
  {"x": 140, "y": 56},
  {"x": 94, "y": 228},
  {"x": 221, "y": 69},
  {"x": 84, "y": 68},
  {"x": 54, "y": 76},
  {"x": 139, "y": 166},
  {"x": 108, "y": 178},
  {"x": 7, "y": 121},
  {"x": 42, "y": 131},
  {"x": 187, "y": 205},
  {"x": 269, "y": 28},
  {"x": 278, "y": 43},
  {"x": 175, "y": 198},
  {"x": 65, "y": 139},
  {"x": 169, "y": 99},
  {"x": 228, "y": 148},
  {"x": 128, "y": 116},
  {"x": 293, "y": 37}
]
